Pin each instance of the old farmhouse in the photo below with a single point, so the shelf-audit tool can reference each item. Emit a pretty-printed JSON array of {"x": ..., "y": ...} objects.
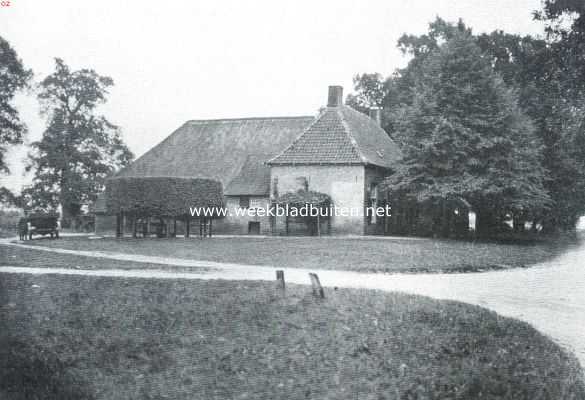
[{"x": 340, "y": 154}]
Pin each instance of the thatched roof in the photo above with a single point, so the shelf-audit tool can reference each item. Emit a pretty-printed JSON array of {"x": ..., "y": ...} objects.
[
  {"x": 217, "y": 149},
  {"x": 252, "y": 180},
  {"x": 341, "y": 135}
]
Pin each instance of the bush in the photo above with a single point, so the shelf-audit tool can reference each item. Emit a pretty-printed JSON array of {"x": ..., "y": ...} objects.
[
  {"x": 161, "y": 196},
  {"x": 8, "y": 222}
]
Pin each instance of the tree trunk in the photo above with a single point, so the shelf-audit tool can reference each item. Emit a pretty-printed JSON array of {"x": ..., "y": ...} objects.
[
  {"x": 486, "y": 222},
  {"x": 445, "y": 219},
  {"x": 119, "y": 225},
  {"x": 66, "y": 216}
]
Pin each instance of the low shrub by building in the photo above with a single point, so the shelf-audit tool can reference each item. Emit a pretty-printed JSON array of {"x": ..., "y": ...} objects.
[{"x": 161, "y": 196}]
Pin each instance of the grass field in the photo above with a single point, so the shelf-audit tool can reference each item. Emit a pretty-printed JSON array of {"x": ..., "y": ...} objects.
[
  {"x": 78, "y": 338},
  {"x": 377, "y": 255},
  {"x": 19, "y": 257}
]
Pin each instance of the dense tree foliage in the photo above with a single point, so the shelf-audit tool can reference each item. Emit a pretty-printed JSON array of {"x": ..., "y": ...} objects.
[
  {"x": 369, "y": 92},
  {"x": 565, "y": 27},
  {"x": 565, "y": 92},
  {"x": 543, "y": 76},
  {"x": 463, "y": 135},
  {"x": 13, "y": 77},
  {"x": 79, "y": 147}
]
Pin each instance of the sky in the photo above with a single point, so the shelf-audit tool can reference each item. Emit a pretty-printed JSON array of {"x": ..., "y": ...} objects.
[{"x": 173, "y": 61}]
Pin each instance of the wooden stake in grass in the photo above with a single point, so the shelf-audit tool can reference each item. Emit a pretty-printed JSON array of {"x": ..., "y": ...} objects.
[
  {"x": 316, "y": 284},
  {"x": 280, "y": 280}
]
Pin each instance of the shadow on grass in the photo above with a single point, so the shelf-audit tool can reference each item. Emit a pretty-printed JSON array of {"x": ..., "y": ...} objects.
[{"x": 28, "y": 372}]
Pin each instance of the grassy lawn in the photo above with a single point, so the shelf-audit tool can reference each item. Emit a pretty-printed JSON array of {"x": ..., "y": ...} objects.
[
  {"x": 379, "y": 255},
  {"x": 19, "y": 257},
  {"x": 105, "y": 338}
]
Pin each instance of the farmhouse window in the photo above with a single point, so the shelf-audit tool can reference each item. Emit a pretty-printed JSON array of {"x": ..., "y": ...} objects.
[
  {"x": 253, "y": 228},
  {"x": 302, "y": 183},
  {"x": 244, "y": 201}
]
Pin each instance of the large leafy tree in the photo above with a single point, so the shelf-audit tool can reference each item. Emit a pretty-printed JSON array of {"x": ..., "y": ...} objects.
[
  {"x": 13, "y": 77},
  {"x": 565, "y": 95},
  {"x": 371, "y": 89},
  {"x": 79, "y": 147},
  {"x": 543, "y": 73},
  {"x": 369, "y": 92},
  {"x": 464, "y": 135},
  {"x": 565, "y": 27}
]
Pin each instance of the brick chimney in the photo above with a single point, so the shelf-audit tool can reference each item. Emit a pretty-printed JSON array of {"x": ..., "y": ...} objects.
[
  {"x": 335, "y": 98},
  {"x": 375, "y": 114}
]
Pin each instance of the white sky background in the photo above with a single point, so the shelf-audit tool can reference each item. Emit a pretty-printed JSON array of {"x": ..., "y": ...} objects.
[{"x": 172, "y": 61}]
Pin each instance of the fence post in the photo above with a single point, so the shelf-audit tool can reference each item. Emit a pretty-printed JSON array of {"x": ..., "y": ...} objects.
[
  {"x": 280, "y": 280},
  {"x": 316, "y": 285}
]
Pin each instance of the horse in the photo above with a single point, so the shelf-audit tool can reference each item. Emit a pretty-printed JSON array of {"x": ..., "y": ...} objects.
[{"x": 22, "y": 229}]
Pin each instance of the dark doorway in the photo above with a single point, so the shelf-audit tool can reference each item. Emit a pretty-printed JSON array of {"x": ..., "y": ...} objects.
[{"x": 253, "y": 228}]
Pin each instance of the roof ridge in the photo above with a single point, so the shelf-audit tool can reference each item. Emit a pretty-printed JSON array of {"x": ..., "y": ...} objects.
[
  {"x": 352, "y": 140},
  {"x": 315, "y": 120},
  {"x": 196, "y": 121},
  {"x": 151, "y": 150}
]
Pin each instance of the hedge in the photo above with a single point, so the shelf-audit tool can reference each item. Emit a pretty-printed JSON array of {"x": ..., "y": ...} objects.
[{"x": 161, "y": 196}]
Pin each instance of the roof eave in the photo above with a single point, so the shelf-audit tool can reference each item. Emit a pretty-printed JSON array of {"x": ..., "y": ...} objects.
[
  {"x": 236, "y": 194},
  {"x": 318, "y": 163}
]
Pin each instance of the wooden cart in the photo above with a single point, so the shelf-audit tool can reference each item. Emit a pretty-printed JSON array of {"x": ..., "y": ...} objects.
[{"x": 43, "y": 224}]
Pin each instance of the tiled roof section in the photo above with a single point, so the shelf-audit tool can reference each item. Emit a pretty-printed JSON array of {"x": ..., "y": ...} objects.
[
  {"x": 217, "y": 149},
  {"x": 373, "y": 143},
  {"x": 341, "y": 135},
  {"x": 253, "y": 179},
  {"x": 325, "y": 141}
]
